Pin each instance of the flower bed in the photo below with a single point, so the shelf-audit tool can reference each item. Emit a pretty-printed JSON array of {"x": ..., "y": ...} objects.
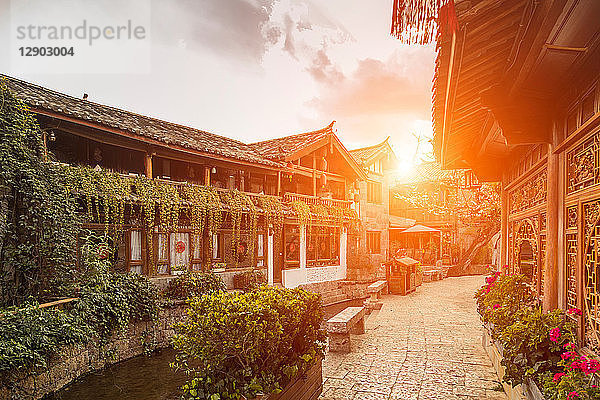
[{"x": 534, "y": 352}]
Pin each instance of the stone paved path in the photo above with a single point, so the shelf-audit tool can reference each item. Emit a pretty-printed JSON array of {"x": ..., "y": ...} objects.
[{"x": 426, "y": 345}]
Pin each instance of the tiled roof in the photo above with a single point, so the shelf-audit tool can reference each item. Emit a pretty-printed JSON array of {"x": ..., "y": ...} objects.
[
  {"x": 278, "y": 149},
  {"x": 363, "y": 154},
  {"x": 38, "y": 97},
  {"x": 429, "y": 171}
]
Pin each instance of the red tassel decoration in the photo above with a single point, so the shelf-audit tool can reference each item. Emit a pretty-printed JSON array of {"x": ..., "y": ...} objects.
[{"x": 418, "y": 21}]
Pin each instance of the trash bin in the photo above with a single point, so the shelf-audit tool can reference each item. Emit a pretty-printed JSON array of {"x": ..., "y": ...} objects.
[{"x": 401, "y": 275}]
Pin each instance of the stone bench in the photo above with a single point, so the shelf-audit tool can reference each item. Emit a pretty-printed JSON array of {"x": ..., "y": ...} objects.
[
  {"x": 339, "y": 327},
  {"x": 375, "y": 290}
]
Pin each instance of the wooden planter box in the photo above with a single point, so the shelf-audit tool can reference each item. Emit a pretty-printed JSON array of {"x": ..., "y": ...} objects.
[{"x": 307, "y": 387}]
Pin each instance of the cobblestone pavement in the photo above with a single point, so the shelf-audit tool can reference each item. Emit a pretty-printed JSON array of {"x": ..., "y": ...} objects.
[{"x": 426, "y": 345}]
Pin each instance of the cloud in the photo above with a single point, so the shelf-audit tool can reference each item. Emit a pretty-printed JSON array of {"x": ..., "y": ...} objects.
[
  {"x": 399, "y": 85},
  {"x": 232, "y": 29}
]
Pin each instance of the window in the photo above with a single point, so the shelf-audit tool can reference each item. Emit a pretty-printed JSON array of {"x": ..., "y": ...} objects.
[
  {"x": 292, "y": 246},
  {"x": 135, "y": 251},
  {"x": 162, "y": 264},
  {"x": 179, "y": 251},
  {"x": 197, "y": 253},
  {"x": 374, "y": 192},
  {"x": 572, "y": 122},
  {"x": 323, "y": 246},
  {"x": 374, "y": 242},
  {"x": 217, "y": 247}
]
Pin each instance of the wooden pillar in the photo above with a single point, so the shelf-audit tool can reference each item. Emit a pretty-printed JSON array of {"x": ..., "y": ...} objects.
[
  {"x": 504, "y": 230},
  {"x": 148, "y": 165},
  {"x": 551, "y": 267},
  {"x": 207, "y": 175},
  {"x": 314, "y": 174},
  {"x": 278, "y": 183}
]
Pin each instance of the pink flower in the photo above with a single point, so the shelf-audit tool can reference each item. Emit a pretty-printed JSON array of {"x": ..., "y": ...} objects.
[
  {"x": 568, "y": 354},
  {"x": 569, "y": 346},
  {"x": 575, "y": 311},
  {"x": 593, "y": 366},
  {"x": 555, "y": 334},
  {"x": 496, "y": 306},
  {"x": 572, "y": 395},
  {"x": 575, "y": 365},
  {"x": 558, "y": 376}
]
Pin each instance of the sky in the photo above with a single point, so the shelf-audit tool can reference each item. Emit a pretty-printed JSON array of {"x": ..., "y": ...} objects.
[{"x": 259, "y": 69}]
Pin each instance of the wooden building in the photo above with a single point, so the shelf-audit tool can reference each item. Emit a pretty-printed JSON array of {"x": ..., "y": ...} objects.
[
  {"x": 310, "y": 168},
  {"x": 517, "y": 99}
]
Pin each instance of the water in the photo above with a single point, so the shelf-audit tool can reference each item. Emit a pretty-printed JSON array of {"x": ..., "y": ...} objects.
[
  {"x": 143, "y": 377},
  {"x": 139, "y": 378}
]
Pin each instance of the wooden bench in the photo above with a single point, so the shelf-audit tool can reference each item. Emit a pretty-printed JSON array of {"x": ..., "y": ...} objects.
[
  {"x": 375, "y": 290},
  {"x": 339, "y": 327}
]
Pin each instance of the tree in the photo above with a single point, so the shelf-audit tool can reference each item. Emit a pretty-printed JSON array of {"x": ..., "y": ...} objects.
[{"x": 457, "y": 195}]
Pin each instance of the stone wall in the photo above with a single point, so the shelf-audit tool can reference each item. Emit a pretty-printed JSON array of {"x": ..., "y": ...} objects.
[{"x": 74, "y": 361}]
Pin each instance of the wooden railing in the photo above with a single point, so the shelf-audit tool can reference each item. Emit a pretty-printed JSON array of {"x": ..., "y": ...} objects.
[{"x": 291, "y": 197}]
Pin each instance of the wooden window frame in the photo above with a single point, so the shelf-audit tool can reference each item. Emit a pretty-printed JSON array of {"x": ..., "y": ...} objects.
[{"x": 371, "y": 242}]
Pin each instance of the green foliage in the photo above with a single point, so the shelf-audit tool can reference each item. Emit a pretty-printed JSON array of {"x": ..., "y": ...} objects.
[
  {"x": 249, "y": 280},
  {"x": 193, "y": 284},
  {"x": 273, "y": 210},
  {"x": 238, "y": 345},
  {"x": 38, "y": 219},
  {"x": 531, "y": 340},
  {"x": 575, "y": 381},
  {"x": 241, "y": 208},
  {"x": 29, "y": 335},
  {"x": 528, "y": 349},
  {"x": 501, "y": 298},
  {"x": 302, "y": 211}
]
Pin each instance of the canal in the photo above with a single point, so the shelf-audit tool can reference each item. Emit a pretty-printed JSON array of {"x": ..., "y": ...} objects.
[{"x": 144, "y": 377}]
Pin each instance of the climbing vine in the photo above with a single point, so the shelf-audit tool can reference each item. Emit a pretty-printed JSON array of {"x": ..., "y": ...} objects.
[
  {"x": 240, "y": 206},
  {"x": 302, "y": 211},
  {"x": 38, "y": 218},
  {"x": 273, "y": 212}
]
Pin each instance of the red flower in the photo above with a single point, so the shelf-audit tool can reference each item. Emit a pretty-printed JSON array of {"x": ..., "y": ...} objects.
[
  {"x": 568, "y": 354},
  {"x": 572, "y": 395},
  {"x": 575, "y": 311},
  {"x": 569, "y": 346},
  {"x": 558, "y": 376},
  {"x": 555, "y": 334},
  {"x": 496, "y": 306}
]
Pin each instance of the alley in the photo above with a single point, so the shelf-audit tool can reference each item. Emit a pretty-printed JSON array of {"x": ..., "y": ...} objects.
[{"x": 423, "y": 346}]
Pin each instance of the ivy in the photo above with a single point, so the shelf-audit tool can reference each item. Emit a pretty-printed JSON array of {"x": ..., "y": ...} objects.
[
  {"x": 241, "y": 205},
  {"x": 302, "y": 211},
  {"x": 38, "y": 218},
  {"x": 273, "y": 212}
]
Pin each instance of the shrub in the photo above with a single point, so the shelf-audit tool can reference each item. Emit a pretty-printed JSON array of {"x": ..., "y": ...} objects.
[
  {"x": 532, "y": 344},
  {"x": 575, "y": 378},
  {"x": 109, "y": 301},
  {"x": 499, "y": 300},
  {"x": 193, "y": 284},
  {"x": 29, "y": 335},
  {"x": 249, "y": 280},
  {"x": 242, "y": 344}
]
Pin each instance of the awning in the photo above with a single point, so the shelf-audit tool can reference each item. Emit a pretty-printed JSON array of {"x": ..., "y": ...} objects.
[
  {"x": 400, "y": 223},
  {"x": 420, "y": 229}
]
